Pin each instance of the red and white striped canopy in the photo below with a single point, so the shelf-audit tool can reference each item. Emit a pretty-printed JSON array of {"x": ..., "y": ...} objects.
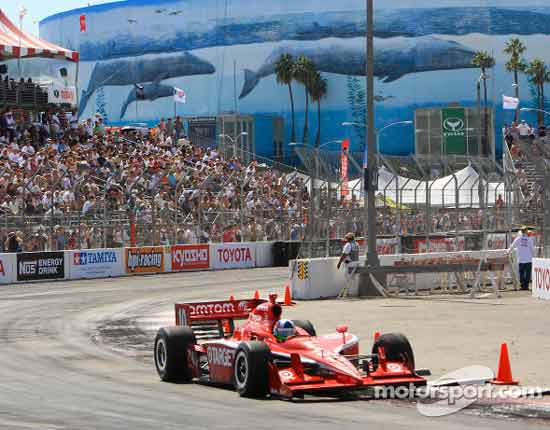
[{"x": 15, "y": 43}]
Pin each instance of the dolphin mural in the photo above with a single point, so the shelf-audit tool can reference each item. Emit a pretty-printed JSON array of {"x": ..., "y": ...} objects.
[
  {"x": 394, "y": 58},
  {"x": 151, "y": 92},
  {"x": 144, "y": 69}
]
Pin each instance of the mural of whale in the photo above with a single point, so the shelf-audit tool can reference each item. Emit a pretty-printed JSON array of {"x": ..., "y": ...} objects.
[
  {"x": 142, "y": 70},
  {"x": 151, "y": 92},
  {"x": 394, "y": 58},
  {"x": 192, "y": 32}
]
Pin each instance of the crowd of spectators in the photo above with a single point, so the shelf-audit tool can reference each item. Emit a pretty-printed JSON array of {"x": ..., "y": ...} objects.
[
  {"x": 21, "y": 91},
  {"x": 68, "y": 184}
]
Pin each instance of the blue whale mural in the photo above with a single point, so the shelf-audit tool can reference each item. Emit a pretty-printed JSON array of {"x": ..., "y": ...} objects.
[
  {"x": 145, "y": 69},
  {"x": 218, "y": 50},
  {"x": 394, "y": 58},
  {"x": 151, "y": 92}
]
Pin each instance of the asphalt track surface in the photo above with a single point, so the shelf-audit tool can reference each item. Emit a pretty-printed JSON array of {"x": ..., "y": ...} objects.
[{"x": 57, "y": 373}]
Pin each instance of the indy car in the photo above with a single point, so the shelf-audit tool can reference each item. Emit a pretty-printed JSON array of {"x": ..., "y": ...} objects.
[{"x": 206, "y": 346}]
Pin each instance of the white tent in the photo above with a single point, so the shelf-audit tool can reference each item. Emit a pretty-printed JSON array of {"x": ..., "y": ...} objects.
[{"x": 442, "y": 192}]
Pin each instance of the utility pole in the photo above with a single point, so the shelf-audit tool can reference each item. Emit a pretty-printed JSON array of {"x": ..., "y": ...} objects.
[{"x": 372, "y": 169}]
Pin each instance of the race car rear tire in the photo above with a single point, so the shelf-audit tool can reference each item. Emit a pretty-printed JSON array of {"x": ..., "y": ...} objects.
[
  {"x": 250, "y": 371},
  {"x": 397, "y": 348},
  {"x": 171, "y": 345},
  {"x": 306, "y": 325}
]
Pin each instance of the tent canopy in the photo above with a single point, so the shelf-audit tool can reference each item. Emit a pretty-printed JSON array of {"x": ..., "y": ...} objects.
[{"x": 15, "y": 43}]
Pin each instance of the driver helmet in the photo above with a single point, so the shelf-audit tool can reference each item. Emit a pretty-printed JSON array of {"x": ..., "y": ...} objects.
[{"x": 284, "y": 329}]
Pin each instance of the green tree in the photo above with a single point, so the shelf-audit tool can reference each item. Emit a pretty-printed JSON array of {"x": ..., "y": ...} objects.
[
  {"x": 516, "y": 64},
  {"x": 303, "y": 70},
  {"x": 283, "y": 72},
  {"x": 484, "y": 61},
  {"x": 539, "y": 74},
  {"x": 318, "y": 91}
]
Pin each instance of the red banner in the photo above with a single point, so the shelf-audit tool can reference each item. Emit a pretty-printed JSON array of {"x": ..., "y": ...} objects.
[
  {"x": 344, "y": 161},
  {"x": 82, "y": 23},
  {"x": 190, "y": 257}
]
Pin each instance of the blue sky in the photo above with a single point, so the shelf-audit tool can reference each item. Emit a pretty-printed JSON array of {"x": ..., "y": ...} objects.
[{"x": 40, "y": 9}]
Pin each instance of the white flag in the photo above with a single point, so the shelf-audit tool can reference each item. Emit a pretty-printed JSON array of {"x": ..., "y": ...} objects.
[
  {"x": 179, "y": 95},
  {"x": 510, "y": 103}
]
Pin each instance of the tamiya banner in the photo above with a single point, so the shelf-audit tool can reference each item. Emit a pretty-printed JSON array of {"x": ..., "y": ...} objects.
[
  {"x": 35, "y": 266},
  {"x": 190, "y": 257},
  {"x": 147, "y": 259},
  {"x": 96, "y": 263},
  {"x": 7, "y": 268}
]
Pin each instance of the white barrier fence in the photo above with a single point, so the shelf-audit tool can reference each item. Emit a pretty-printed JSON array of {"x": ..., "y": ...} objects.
[
  {"x": 106, "y": 263},
  {"x": 319, "y": 278}
]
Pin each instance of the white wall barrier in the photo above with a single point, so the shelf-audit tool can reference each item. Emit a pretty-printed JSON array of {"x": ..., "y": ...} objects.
[
  {"x": 95, "y": 263},
  {"x": 319, "y": 278},
  {"x": 7, "y": 268},
  {"x": 541, "y": 278},
  {"x": 232, "y": 256}
]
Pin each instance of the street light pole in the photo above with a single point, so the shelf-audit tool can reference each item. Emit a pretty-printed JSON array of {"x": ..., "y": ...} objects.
[{"x": 372, "y": 169}]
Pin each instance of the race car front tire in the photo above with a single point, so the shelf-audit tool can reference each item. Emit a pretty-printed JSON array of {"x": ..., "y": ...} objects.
[
  {"x": 306, "y": 325},
  {"x": 171, "y": 346},
  {"x": 397, "y": 348},
  {"x": 250, "y": 371}
]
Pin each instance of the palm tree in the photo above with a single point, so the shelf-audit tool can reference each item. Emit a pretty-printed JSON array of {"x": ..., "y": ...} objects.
[
  {"x": 484, "y": 61},
  {"x": 539, "y": 74},
  {"x": 283, "y": 72},
  {"x": 515, "y": 48},
  {"x": 302, "y": 71},
  {"x": 317, "y": 92}
]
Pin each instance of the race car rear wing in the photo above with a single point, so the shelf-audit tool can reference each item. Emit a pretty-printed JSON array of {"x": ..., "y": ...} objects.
[{"x": 214, "y": 320}]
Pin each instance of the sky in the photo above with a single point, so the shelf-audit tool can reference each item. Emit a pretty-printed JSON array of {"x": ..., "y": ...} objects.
[{"x": 40, "y": 9}]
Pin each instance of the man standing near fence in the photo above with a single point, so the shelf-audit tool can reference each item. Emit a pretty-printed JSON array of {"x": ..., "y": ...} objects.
[
  {"x": 526, "y": 251},
  {"x": 350, "y": 258}
]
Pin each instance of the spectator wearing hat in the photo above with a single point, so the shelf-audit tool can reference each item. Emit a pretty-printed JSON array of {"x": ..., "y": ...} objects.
[
  {"x": 526, "y": 250},
  {"x": 12, "y": 244}
]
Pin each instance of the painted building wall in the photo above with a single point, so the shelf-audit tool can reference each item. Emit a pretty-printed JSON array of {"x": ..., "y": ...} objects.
[{"x": 221, "y": 52}]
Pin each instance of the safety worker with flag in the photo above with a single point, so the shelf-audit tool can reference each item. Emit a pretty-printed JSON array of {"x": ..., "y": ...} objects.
[
  {"x": 350, "y": 258},
  {"x": 526, "y": 251}
]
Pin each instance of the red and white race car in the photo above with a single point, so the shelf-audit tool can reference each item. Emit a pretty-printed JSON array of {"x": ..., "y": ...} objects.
[{"x": 206, "y": 346}]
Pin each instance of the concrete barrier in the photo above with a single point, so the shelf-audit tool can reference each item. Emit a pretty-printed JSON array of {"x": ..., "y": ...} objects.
[{"x": 319, "y": 278}]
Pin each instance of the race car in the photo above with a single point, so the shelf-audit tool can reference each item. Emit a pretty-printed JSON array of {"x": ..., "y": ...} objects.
[{"x": 205, "y": 345}]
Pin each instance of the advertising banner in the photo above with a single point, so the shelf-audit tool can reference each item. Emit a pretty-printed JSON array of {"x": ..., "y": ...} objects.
[
  {"x": 61, "y": 95},
  {"x": 541, "y": 278},
  {"x": 7, "y": 268},
  {"x": 496, "y": 241},
  {"x": 147, "y": 259},
  {"x": 233, "y": 255},
  {"x": 190, "y": 257},
  {"x": 96, "y": 263},
  {"x": 444, "y": 244},
  {"x": 453, "y": 126},
  {"x": 40, "y": 266}
]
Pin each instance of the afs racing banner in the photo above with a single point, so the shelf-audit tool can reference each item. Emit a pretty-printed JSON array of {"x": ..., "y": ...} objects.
[
  {"x": 453, "y": 125},
  {"x": 96, "y": 263},
  {"x": 233, "y": 256},
  {"x": 34, "y": 266},
  {"x": 147, "y": 259},
  {"x": 541, "y": 278},
  {"x": 190, "y": 257}
]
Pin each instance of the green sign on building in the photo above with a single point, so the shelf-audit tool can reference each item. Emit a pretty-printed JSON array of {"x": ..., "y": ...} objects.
[{"x": 453, "y": 125}]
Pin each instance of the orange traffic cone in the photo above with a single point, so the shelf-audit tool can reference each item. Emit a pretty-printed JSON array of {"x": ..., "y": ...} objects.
[
  {"x": 288, "y": 296},
  {"x": 376, "y": 335},
  {"x": 257, "y": 295},
  {"x": 231, "y": 298},
  {"x": 504, "y": 375}
]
